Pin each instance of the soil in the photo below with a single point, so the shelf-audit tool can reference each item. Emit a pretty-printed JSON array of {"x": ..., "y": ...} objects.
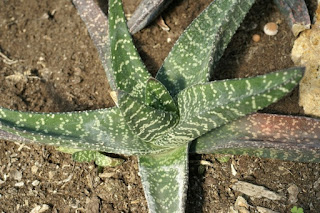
[{"x": 56, "y": 68}]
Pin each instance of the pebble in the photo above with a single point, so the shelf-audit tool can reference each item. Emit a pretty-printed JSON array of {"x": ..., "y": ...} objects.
[
  {"x": 34, "y": 169},
  {"x": 265, "y": 210},
  {"x": 19, "y": 184},
  {"x": 256, "y": 38},
  {"x": 293, "y": 191},
  {"x": 270, "y": 29},
  {"x": 35, "y": 183},
  {"x": 17, "y": 175}
]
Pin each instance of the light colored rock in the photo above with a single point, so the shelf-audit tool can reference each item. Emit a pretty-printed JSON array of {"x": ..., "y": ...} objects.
[
  {"x": 35, "y": 183},
  {"x": 265, "y": 210},
  {"x": 40, "y": 209},
  {"x": 293, "y": 191},
  {"x": 241, "y": 205},
  {"x": 256, "y": 191},
  {"x": 17, "y": 175},
  {"x": 306, "y": 52},
  {"x": 19, "y": 184}
]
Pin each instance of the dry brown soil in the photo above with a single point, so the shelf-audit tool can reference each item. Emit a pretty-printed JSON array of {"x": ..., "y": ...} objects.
[{"x": 57, "y": 69}]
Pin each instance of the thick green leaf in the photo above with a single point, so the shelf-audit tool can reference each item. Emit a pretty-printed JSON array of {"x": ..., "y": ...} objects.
[
  {"x": 165, "y": 178},
  {"x": 129, "y": 72},
  {"x": 97, "y": 26},
  {"x": 146, "y": 122},
  {"x": 99, "y": 158},
  {"x": 207, "y": 106},
  {"x": 101, "y": 130},
  {"x": 145, "y": 13},
  {"x": 265, "y": 135},
  {"x": 157, "y": 96},
  {"x": 194, "y": 55}
]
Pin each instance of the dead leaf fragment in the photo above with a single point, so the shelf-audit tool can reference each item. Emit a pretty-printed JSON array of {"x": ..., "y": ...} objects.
[
  {"x": 255, "y": 191},
  {"x": 265, "y": 210},
  {"x": 293, "y": 191}
]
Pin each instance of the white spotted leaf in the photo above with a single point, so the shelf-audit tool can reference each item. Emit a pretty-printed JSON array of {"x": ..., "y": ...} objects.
[
  {"x": 130, "y": 74},
  {"x": 194, "y": 55},
  {"x": 147, "y": 122},
  {"x": 103, "y": 130},
  {"x": 164, "y": 178},
  {"x": 157, "y": 96},
  {"x": 265, "y": 135},
  {"x": 99, "y": 158},
  {"x": 204, "y": 107}
]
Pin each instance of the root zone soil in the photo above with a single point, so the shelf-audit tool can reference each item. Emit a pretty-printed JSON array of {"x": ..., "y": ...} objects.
[{"x": 54, "y": 67}]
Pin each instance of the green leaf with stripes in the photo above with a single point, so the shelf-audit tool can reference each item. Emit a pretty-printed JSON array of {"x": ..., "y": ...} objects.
[
  {"x": 97, "y": 25},
  {"x": 158, "y": 119},
  {"x": 102, "y": 130},
  {"x": 195, "y": 54},
  {"x": 265, "y": 135},
  {"x": 204, "y": 107},
  {"x": 157, "y": 96},
  {"x": 146, "y": 122},
  {"x": 130, "y": 74},
  {"x": 164, "y": 178},
  {"x": 99, "y": 158}
]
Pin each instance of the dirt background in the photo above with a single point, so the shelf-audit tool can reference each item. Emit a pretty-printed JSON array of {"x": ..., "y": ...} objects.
[{"x": 55, "y": 68}]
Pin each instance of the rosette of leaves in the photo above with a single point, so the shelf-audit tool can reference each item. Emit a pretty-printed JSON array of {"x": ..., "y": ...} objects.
[{"x": 161, "y": 119}]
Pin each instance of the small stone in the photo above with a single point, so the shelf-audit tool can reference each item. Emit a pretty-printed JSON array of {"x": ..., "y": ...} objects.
[
  {"x": 19, "y": 184},
  {"x": 16, "y": 175},
  {"x": 40, "y": 209},
  {"x": 293, "y": 191},
  {"x": 256, "y": 38},
  {"x": 241, "y": 205},
  {"x": 265, "y": 210},
  {"x": 270, "y": 29},
  {"x": 34, "y": 169},
  {"x": 35, "y": 183}
]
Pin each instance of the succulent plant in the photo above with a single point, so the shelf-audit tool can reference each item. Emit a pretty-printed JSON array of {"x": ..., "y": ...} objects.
[{"x": 161, "y": 119}]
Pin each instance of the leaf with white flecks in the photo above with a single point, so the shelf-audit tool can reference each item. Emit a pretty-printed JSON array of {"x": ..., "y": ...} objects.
[
  {"x": 164, "y": 177},
  {"x": 204, "y": 107},
  {"x": 194, "y": 55},
  {"x": 103, "y": 130},
  {"x": 129, "y": 72},
  {"x": 157, "y": 96},
  {"x": 99, "y": 158},
  {"x": 147, "y": 122},
  {"x": 265, "y": 135},
  {"x": 97, "y": 25}
]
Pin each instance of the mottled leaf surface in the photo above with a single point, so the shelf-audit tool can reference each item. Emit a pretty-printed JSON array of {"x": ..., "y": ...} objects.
[
  {"x": 146, "y": 12},
  {"x": 97, "y": 25},
  {"x": 202, "y": 44},
  {"x": 102, "y": 130},
  {"x": 207, "y": 106},
  {"x": 265, "y": 135},
  {"x": 146, "y": 122},
  {"x": 296, "y": 14},
  {"x": 129, "y": 72},
  {"x": 164, "y": 178},
  {"x": 157, "y": 96},
  {"x": 99, "y": 158}
]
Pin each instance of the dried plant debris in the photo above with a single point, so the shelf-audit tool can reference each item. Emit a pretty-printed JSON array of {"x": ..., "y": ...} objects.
[{"x": 256, "y": 191}]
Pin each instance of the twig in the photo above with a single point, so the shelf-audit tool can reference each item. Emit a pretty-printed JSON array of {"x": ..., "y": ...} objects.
[{"x": 7, "y": 60}]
